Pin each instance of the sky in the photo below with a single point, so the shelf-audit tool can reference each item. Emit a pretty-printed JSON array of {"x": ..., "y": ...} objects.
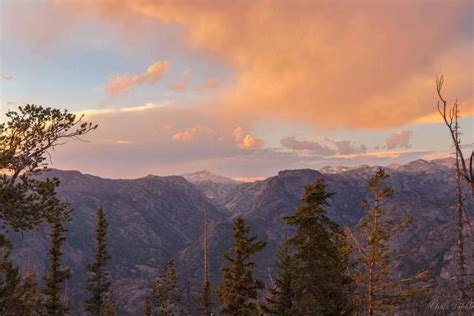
[{"x": 243, "y": 88}]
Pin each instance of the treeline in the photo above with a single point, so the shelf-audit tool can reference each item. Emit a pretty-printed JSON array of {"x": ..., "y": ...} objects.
[{"x": 322, "y": 268}]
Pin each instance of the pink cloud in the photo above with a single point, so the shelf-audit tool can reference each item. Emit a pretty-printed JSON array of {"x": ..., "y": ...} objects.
[
  {"x": 400, "y": 139},
  {"x": 123, "y": 83}
]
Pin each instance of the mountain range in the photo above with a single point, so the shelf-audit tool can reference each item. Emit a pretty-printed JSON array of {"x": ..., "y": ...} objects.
[{"x": 153, "y": 219}]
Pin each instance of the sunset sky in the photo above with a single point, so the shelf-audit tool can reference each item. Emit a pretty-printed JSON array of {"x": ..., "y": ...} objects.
[{"x": 244, "y": 88}]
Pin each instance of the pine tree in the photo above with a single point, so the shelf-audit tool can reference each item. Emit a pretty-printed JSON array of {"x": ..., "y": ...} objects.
[
  {"x": 379, "y": 289},
  {"x": 98, "y": 283},
  {"x": 55, "y": 302},
  {"x": 25, "y": 142},
  {"x": 146, "y": 307},
  {"x": 17, "y": 296},
  {"x": 167, "y": 295},
  {"x": 321, "y": 283},
  {"x": 205, "y": 301},
  {"x": 239, "y": 289},
  {"x": 280, "y": 298}
]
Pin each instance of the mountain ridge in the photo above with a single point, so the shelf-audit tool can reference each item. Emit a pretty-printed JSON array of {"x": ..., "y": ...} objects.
[{"x": 153, "y": 219}]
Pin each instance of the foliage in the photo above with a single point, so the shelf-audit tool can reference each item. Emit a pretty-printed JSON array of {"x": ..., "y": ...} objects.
[
  {"x": 205, "y": 299},
  {"x": 379, "y": 290},
  {"x": 146, "y": 307},
  {"x": 321, "y": 283},
  {"x": 166, "y": 294},
  {"x": 98, "y": 282},
  {"x": 25, "y": 142},
  {"x": 17, "y": 297},
  {"x": 280, "y": 297},
  {"x": 239, "y": 289},
  {"x": 55, "y": 302}
]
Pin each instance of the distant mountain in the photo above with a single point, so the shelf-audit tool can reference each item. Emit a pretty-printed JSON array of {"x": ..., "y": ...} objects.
[
  {"x": 213, "y": 186},
  {"x": 204, "y": 176},
  {"x": 153, "y": 219}
]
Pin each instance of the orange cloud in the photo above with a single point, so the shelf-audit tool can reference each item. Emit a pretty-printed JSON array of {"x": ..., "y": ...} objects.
[
  {"x": 250, "y": 142},
  {"x": 249, "y": 179},
  {"x": 208, "y": 85},
  {"x": 124, "y": 142},
  {"x": 178, "y": 86},
  {"x": 376, "y": 60},
  {"x": 245, "y": 140},
  {"x": 122, "y": 84},
  {"x": 191, "y": 134},
  {"x": 357, "y": 64}
]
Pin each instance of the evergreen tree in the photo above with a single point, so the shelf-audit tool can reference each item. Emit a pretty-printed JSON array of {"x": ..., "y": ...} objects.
[
  {"x": 146, "y": 307},
  {"x": 17, "y": 297},
  {"x": 26, "y": 200},
  {"x": 321, "y": 283},
  {"x": 239, "y": 289},
  {"x": 98, "y": 283},
  {"x": 379, "y": 290},
  {"x": 167, "y": 295},
  {"x": 205, "y": 300},
  {"x": 280, "y": 298},
  {"x": 25, "y": 140},
  {"x": 55, "y": 302}
]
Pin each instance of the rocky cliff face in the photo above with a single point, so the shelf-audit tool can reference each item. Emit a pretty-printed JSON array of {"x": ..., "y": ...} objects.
[{"x": 153, "y": 219}]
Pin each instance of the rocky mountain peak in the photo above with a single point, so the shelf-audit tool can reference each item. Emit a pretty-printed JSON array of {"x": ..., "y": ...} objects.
[{"x": 205, "y": 175}]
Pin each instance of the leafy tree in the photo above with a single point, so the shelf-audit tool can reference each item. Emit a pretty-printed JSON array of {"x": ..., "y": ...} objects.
[
  {"x": 379, "y": 290},
  {"x": 239, "y": 289},
  {"x": 167, "y": 295},
  {"x": 17, "y": 297},
  {"x": 98, "y": 283},
  {"x": 321, "y": 284},
  {"x": 25, "y": 142},
  {"x": 281, "y": 295},
  {"x": 55, "y": 302}
]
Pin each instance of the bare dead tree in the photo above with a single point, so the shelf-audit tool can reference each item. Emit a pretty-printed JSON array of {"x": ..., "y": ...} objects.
[
  {"x": 450, "y": 117},
  {"x": 461, "y": 214}
]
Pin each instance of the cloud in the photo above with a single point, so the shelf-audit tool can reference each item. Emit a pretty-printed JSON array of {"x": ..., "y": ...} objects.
[
  {"x": 187, "y": 72},
  {"x": 245, "y": 140},
  {"x": 346, "y": 147},
  {"x": 145, "y": 107},
  {"x": 124, "y": 142},
  {"x": 400, "y": 139},
  {"x": 237, "y": 134},
  {"x": 178, "y": 86},
  {"x": 6, "y": 77},
  {"x": 311, "y": 69},
  {"x": 292, "y": 143},
  {"x": 250, "y": 142},
  {"x": 141, "y": 108},
  {"x": 208, "y": 85},
  {"x": 122, "y": 84},
  {"x": 193, "y": 133},
  {"x": 249, "y": 179}
]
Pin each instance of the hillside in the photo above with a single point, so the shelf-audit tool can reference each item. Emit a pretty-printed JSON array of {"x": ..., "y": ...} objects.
[{"x": 153, "y": 219}]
